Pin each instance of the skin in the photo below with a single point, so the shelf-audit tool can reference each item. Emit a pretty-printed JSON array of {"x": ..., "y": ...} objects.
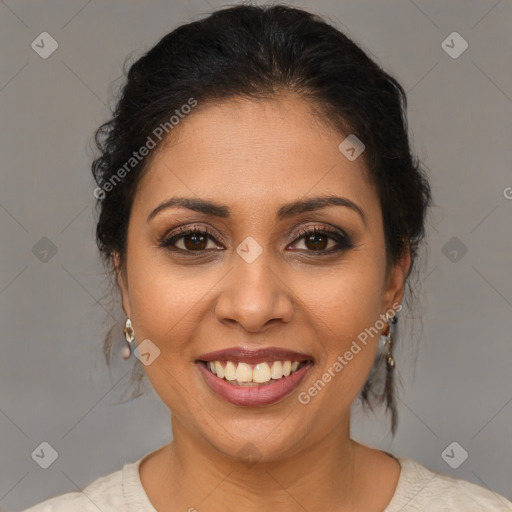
[{"x": 253, "y": 156}]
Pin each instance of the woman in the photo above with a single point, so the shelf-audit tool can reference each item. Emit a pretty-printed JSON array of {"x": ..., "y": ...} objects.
[{"x": 261, "y": 212}]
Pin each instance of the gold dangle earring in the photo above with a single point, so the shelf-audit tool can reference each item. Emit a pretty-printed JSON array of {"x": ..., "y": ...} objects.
[
  {"x": 129, "y": 334},
  {"x": 390, "y": 361}
]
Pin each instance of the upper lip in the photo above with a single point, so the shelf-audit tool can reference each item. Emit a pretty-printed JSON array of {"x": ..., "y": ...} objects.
[{"x": 245, "y": 355}]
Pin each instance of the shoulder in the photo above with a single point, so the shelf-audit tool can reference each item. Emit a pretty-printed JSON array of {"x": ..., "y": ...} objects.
[
  {"x": 419, "y": 488},
  {"x": 105, "y": 494}
]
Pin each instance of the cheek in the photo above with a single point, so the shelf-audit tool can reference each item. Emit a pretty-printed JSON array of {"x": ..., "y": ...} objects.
[
  {"x": 348, "y": 299},
  {"x": 166, "y": 298},
  {"x": 345, "y": 308}
]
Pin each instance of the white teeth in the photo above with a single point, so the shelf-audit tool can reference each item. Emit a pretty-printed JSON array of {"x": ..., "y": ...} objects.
[
  {"x": 230, "y": 371},
  {"x": 260, "y": 373},
  {"x": 219, "y": 370},
  {"x": 243, "y": 372},
  {"x": 277, "y": 370}
]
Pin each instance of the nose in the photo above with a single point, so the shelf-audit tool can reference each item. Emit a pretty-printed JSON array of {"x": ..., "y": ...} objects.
[{"x": 254, "y": 295}]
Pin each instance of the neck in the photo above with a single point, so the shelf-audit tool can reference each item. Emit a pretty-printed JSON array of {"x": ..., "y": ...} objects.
[{"x": 197, "y": 475}]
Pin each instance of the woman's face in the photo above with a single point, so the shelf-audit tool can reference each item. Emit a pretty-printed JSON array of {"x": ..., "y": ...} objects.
[{"x": 256, "y": 281}]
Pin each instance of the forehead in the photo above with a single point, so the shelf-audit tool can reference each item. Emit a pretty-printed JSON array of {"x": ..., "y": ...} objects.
[{"x": 254, "y": 152}]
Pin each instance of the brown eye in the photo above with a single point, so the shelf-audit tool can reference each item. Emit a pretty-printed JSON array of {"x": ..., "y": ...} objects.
[
  {"x": 317, "y": 240},
  {"x": 192, "y": 240},
  {"x": 195, "y": 241}
]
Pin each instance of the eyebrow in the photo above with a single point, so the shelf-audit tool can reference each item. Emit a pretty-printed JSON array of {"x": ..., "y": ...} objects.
[{"x": 285, "y": 211}]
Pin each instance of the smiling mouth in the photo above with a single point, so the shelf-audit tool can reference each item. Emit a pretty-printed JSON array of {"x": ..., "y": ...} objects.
[{"x": 253, "y": 375}]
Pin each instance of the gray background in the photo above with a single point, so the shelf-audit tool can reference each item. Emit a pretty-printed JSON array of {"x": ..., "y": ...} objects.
[{"x": 54, "y": 383}]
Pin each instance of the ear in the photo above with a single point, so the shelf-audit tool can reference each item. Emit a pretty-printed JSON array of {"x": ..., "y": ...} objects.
[
  {"x": 122, "y": 282},
  {"x": 395, "y": 282}
]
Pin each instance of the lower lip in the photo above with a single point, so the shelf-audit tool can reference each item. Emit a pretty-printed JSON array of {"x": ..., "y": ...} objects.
[{"x": 254, "y": 395}]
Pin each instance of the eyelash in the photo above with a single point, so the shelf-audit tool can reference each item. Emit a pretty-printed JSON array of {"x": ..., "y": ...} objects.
[{"x": 344, "y": 242}]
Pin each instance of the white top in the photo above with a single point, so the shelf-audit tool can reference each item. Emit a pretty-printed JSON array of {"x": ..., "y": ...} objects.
[{"x": 418, "y": 489}]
